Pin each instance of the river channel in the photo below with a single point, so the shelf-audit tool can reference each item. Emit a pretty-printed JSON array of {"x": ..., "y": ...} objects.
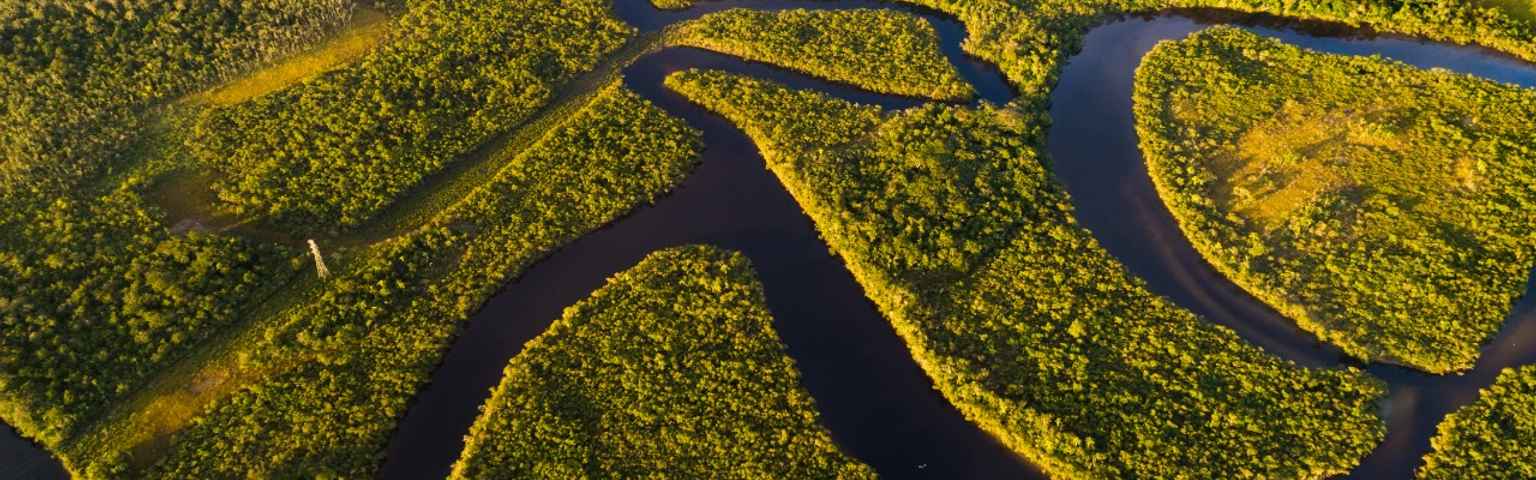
[{"x": 880, "y": 407}]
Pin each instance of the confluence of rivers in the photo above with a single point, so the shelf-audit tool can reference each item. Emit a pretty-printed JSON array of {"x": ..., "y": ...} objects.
[{"x": 880, "y": 407}]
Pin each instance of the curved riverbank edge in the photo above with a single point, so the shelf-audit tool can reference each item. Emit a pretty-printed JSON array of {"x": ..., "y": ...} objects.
[
  {"x": 1117, "y": 201},
  {"x": 1409, "y": 389},
  {"x": 1284, "y": 335}
]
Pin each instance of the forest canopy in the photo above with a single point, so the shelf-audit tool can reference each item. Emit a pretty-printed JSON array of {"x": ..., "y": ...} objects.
[
  {"x": 1390, "y": 213},
  {"x": 96, "y": 295},
  {"x": 327, "y": 155},
  {"x": 670, "y": 369},
  {"x": 353, "y": 353},
  {"x": 879, "y": 50},
  {"x": 956, "y": 230},
  {"x": 1494, "y": 437}
]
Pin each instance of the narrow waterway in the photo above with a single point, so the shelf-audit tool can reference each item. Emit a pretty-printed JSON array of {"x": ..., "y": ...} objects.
[
  {"x": 1093, "y": 145},
  {"x": 880, "y": 407},
  {"x": 20, "y": 459}
]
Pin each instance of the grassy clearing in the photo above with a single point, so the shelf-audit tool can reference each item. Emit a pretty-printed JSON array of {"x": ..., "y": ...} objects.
[
  {"x": 948, "y": 219},
  {"x": 363, "y": 31},
  {"x": 370, "y": 336},
  {"x": 1389, "y": 213},
  {"x": 697, "y": 386},
  {"x": 328, "y": 155},
  {"x": 97, "y": 295}
]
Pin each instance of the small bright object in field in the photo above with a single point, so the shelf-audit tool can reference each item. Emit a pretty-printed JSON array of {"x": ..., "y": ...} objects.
[{"x": 319, "y": 261}]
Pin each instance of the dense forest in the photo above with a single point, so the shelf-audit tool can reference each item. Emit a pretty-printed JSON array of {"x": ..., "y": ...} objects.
[
  {"x": 137, "y": 415},
  {"x": 1029, "y": 39},
  {"x": 95, "y": 293},
  {"x": 952, "y": 224},
  {"x": 72, "y": 72},
  {"x": 108, "y": 311},
  {"x": 355, "y": 352},
  {"x": 672, "y": 369},
  {"x": 1493, "y": 438},
  {"x": 330, "y": 153},
  {"x": 879, "y": 50},
  {"x": 1391, "y": 213}
]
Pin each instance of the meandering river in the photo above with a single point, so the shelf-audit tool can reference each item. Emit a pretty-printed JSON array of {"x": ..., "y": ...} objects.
[{"x": 880, "y": 407}]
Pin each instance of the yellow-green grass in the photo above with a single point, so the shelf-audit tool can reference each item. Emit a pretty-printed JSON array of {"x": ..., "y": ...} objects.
[
  {"x": 1384, "y": 208},
  {"x": 143, "y": 425},
  {"x": 367, "y": 28}
]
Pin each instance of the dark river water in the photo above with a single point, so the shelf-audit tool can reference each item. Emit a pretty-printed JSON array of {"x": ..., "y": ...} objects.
[
  {"x": 1093, "y": 145},
  {"x": 880, "y": 407}
]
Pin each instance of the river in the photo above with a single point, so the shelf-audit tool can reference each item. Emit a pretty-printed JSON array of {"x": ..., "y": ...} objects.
[
  {"x": 880, "y": 407},
  {"x": 871, "y": 394}
]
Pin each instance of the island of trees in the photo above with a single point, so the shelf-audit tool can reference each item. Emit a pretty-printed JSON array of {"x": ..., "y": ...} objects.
[
  {"x": 439, "y": 148},
  {"x": 671, "y": 369},
  {"x": 1390, "y": 213},
  {"x": 955, "y": 229}
]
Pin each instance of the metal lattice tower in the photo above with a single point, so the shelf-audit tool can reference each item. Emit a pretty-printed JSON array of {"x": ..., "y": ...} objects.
[{"x": 314, "y": 250}]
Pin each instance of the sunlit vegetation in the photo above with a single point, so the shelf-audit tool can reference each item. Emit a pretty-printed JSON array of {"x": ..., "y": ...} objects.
[
  {"x": 672, "y": 4},
  {"x": 1029, "y": 39},
  {"x": 71, "y": 73},
  {"x": 879, "y": 50},
  {"x": 1521, "y": 9},
  {"x": 1390, "y": 213},
  {"x": 671, "y": 369},
  {"x": 1494, "y": 438},
  {"x": 345, "y": 361},
  {"x": 955, "y": 229},
  {"x": 95, "y": 293},
  {"x": 330, "y": 153},
  {"x": 107, "y": 310},
  {"x": 366, "y": 29}
]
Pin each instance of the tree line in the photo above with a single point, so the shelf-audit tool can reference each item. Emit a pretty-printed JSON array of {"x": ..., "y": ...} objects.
[
  {"x": 879, "y": 50},
  {"x": 95, "y": 293},
  {"x": 362, "y": 347},
  {"x": 951, "y": 222},
  {"x": 329, "y": 154},
  {"x": 1390, "y": 212},
  {"x": 670, "y": 369}
]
